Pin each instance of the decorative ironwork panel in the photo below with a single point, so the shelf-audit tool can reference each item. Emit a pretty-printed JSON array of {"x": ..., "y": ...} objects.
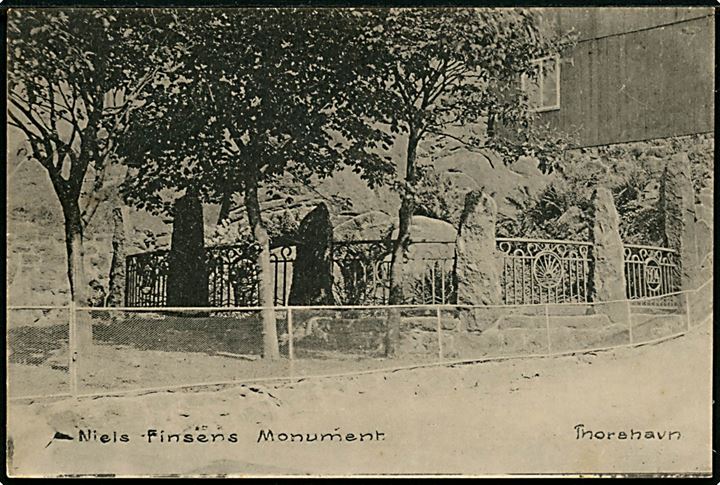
[
  {"x": 434, "y": 284},
  {"x": 282, "y": 259},
  {"x": 650, "y": 273},
  {"x": 361, "y": 272},
  {"x": 146, "y": 279},
  {"x": 232, "y": 277},
  {"x": 544, "y": 271}
]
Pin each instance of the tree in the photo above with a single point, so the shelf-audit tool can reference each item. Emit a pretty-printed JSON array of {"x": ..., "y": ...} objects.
[
  {"x": 450, "y": 75},
  {"x": 75, "y": 79},
  {"x": 261, "y": 94}
]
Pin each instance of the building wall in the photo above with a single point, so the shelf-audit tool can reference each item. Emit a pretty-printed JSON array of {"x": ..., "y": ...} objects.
[{"x": 635, "y": 74}]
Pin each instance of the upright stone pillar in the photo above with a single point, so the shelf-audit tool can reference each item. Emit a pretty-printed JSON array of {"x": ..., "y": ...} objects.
[
  {"x": 477, "y": 261},
  {"x": 187, "y": 282},
  {"x": 607, "y": 273},
  {"x": 116, "y": 284},
  {"x": 312, "y": 278},
  {"x": 678, "y": 208}
]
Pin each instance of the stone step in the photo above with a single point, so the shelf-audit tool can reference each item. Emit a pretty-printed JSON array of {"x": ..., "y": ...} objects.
[{"x": 650, "y": 310}]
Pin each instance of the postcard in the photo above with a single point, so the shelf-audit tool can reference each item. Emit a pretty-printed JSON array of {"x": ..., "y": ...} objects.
[{"x": 284, "y": 242}]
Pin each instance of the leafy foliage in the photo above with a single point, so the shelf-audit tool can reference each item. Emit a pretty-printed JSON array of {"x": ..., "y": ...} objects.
[
  {"x": 258, "y": 95},
  {"x": 632, "y": 172},
  {"x": 435, "y": 71},
  {"x": 448, "y": 76},
  {"x": 76, "y": 77},
  {"x": 436, "y": 196}
]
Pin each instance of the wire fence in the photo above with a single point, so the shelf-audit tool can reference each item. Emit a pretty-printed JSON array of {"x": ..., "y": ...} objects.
[{"x": 74, "y": 351}]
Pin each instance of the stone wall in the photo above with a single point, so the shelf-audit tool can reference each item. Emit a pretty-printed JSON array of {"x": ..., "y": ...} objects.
[{"x": 520, "y": 331}]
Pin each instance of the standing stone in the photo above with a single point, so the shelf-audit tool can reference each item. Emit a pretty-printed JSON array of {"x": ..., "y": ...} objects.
[
  {"x": 116, "y": 284},
  {"x": 678, "y": 208},
  {"x": 187, "y": 282},
  {"x": 312, "y": 280},
  {"x": 477, "y": 261},
  {"x": 607, "y": 273}
]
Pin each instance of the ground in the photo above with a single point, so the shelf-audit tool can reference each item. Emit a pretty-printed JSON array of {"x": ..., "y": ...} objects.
[{"x": 485, "y": 418}]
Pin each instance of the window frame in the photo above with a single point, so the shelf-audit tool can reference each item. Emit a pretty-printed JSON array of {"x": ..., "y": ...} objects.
[{"x": 541, "y": 83}]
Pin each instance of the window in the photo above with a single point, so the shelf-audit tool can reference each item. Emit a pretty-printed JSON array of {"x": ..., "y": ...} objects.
[{"x": 544, "y": 90}]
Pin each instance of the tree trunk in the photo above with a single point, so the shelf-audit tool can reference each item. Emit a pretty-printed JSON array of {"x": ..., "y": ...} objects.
[
  {"x": 116, "y": 280},
  {"x": 397, "y": 263},
  {"x": 74, "y": 249},
  {"x": 271, "y": 348},
  {"x": 76, "y": 271}
]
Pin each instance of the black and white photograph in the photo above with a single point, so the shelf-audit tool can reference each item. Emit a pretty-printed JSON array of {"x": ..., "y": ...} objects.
[{"x": 344, "y": 241}]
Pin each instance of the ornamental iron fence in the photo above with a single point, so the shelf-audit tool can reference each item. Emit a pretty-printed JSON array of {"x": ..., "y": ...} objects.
[
  {"x": 651, "y": 272},
  {"x": 544, "y": 271},
  {"x": 534, "y": 271},
  {"x": 361, "y": 274},
  {"x": 232, "y": 276},
  {"x": 146, "y": 279}
]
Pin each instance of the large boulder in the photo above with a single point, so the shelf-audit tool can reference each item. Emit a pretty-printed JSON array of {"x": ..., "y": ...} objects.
[
  {"x": 312, "y": 277},
  {"x": 367, "y": 226},
  {"x": 607, "y": 273},
  {"x": 432, "y": 239},
  {"x": 431, "y": 230}
]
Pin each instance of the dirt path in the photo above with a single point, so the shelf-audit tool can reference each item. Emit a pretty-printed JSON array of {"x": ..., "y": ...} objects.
[{"x": 492, "y": 418}]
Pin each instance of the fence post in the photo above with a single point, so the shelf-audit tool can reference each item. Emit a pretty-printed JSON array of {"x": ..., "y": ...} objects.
[
  {"x": 630, "y": 324},
  {"x": 547, "y": 329},
  {"x": 439, "y": 333},
  {"x": 687, "y": 308},
  {"x": 72, "y": 349},
  {"x": 291, "y": 350}
]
